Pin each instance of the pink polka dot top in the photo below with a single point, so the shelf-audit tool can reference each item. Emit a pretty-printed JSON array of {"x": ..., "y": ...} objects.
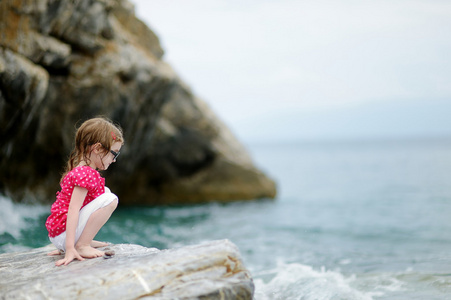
[{"x": 83, "y": 176}]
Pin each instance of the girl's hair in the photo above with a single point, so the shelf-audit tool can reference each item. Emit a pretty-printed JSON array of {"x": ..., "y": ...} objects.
[{"x": 97, "y": 130}]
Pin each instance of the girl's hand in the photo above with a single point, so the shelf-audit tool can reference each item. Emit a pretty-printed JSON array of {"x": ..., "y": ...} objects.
[{"x": 71, "y": 254}]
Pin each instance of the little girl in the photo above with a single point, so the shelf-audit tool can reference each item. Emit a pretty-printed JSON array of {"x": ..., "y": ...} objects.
[{"x": 84, "y": 204}]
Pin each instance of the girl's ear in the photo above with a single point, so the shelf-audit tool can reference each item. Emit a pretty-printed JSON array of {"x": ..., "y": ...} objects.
[{"x": 97, "y": 148}]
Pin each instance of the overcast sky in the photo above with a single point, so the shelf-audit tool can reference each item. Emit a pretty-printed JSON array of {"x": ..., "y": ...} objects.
[{"x": 313, "y": 68}]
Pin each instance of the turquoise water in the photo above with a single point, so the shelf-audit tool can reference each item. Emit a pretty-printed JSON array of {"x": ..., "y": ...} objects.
[{"x": 353, "y": 220}]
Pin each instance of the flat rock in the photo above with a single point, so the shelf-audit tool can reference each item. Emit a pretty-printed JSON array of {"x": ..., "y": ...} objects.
[{"x": 211, "y": 270}]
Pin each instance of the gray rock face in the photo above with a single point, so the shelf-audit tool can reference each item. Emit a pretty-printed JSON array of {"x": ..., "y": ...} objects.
[
  {"x": 211, "y": 270},
  {"x": 62, "y": 62}
]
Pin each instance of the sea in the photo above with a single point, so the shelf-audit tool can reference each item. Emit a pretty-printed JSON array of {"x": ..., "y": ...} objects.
[{"x": 357, "y": 219}]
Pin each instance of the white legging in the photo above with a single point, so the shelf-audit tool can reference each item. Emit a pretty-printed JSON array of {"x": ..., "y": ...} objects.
[{"x": 103, "y": 200}]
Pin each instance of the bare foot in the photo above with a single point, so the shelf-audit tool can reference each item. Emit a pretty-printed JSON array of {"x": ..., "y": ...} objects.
[
  {"x": 54, "y": 252},
  {"x": 89, "y": 252},
  {"x": 97, "y": 244}
]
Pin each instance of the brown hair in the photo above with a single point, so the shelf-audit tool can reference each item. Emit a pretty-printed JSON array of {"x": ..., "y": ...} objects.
[{"x": 97, "y": 130}]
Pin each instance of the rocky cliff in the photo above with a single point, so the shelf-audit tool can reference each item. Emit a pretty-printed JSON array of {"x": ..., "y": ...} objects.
[
  {"x": 62, "y": 62},
  {"x": 212, "y": 270}
]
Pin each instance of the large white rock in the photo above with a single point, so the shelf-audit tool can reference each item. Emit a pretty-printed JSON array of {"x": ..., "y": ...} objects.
[{"x": 212, "y": 270}]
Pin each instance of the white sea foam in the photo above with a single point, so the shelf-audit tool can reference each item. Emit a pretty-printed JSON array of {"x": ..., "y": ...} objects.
[
  {"x": 297, "y": 281},
  {"x": 13, "y": 216}
]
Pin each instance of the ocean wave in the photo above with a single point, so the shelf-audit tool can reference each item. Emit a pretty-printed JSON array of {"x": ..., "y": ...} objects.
[
  {"x": 15, "y": 218},
  {"x": 297, "y": 281}
]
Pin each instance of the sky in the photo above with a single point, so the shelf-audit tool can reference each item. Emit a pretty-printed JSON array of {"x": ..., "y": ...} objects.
[{"x": 313, "y": 69}]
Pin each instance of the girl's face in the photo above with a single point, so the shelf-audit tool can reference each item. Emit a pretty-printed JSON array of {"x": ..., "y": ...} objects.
[{"x": 102, "y": 161}]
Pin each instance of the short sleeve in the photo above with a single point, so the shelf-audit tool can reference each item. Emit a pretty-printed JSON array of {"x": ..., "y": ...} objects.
[{"x": 84, "y": 178}]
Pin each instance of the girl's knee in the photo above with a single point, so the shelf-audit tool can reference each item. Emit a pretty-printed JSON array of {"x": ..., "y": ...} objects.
[{"x": 114, "y": 204}]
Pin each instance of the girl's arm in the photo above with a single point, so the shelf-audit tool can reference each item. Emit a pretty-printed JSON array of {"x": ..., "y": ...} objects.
[{"x": 76, "y": 201}]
